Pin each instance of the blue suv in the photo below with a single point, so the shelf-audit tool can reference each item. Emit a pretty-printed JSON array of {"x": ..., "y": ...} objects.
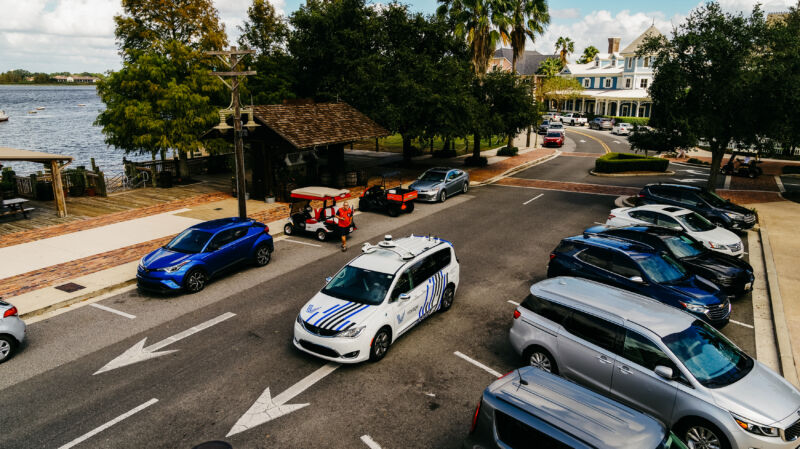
[
  {"x": 642, "y": 269},
  {"x": 204, "y": 251}
]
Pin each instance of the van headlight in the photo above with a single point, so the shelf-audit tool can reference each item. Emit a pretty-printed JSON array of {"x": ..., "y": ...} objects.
[
  {"x": 353, "y": 332},
  {"x": 756, "y": 429}
]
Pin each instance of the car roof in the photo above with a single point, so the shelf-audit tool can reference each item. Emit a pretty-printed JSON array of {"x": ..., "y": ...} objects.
[
  {"x": 597, "y": 420},
  {"x": 628, "y": 306},
  {"x": 669, "y": 210},
  {"x": 633, "y": 249},
  {"x": 658, "y": 231},
  {"x": 439, "y": 169},
  {"x": 675, "y": 186},
  {"x": 221, "y": 223},
  {"x": 391, "y": 258}
]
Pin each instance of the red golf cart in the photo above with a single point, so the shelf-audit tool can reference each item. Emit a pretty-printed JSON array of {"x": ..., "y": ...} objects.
[{"x": 321, "y": 221}]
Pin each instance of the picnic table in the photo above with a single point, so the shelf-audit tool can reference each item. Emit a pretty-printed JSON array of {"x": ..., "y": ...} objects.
[{"x": 15, "y": 206}]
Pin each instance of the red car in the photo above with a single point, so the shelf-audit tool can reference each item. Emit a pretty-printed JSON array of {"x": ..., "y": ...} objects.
[{"x": 554, "y": 138}]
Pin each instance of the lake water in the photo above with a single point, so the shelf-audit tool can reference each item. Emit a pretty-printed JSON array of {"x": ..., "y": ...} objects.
[{"x": 62, "y": 127}]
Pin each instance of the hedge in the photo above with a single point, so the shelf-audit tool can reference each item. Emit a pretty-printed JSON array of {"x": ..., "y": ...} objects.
[
  {"x": 479, "y": 162},
  {"x": 636, "y": 121},
  {"x": 506, "y": 151},
  {"x": 623, "y": 162}
]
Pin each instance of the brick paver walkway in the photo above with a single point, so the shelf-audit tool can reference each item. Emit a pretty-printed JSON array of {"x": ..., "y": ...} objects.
[{"x": 481, "y": 174}]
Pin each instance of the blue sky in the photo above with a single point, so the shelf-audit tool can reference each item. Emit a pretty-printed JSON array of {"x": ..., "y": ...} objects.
[{"x": 78, "y": 35}]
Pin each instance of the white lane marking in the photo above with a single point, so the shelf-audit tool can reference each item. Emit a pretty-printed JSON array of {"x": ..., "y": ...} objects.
[
  {"x": 617, "y": 141},
  {"x": 478, "y": 364},
  {"x": 370, "y": 442},
  {"x": 513, "y": 302},
  {"x": 138, "y": 353},
  {"x": 582, "y": 141},
  {"x": 105, "y": 426},
  {"x": 266, "y": 408},
  {"x": 302, "y": 243},
  {"x": 694, "y": 172},
  {"x": 727, "y": 185},
  {"x": 749, "y": 326},
  {"x": 780, "y": 183},
  {"x": 690, "y": 180},
  {"x": 533, "y": 199},
  {"x": 109, "y": 309}
]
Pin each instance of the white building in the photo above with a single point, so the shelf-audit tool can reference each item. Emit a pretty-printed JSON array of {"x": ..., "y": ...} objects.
[{"x": 615, "y": 83}]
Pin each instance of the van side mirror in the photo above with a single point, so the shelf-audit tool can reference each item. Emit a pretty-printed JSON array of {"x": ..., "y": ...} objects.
[
  {"x": 404, "y": 297},
  {"x": 664, "y": 372},
  {"x": 636, "y": 279}
]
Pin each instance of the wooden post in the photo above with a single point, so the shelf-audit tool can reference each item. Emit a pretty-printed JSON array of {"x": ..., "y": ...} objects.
[{"x": 58, "y": 189}]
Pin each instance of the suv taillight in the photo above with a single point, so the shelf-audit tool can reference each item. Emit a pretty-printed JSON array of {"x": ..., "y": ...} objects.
[
  {"x": 516, "y": 314},
  {"x": 552, "y": 256},
  {"x": 640, "y": 195},
  {"x": 10, "y": 312},
  {"x": 266, "y": 229},
  {"x": 610, "y": 216},
  {"x": 475, "y": 417}
]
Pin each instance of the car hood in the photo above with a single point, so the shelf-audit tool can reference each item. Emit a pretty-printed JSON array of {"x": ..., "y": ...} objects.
[
  {"x": 698, "y": 289},
  {"x": 163, "y": 258},
  {"x": 425, "y": 185},
  {"x": 719, "y": 263},
  {"x": 762, "y": 396},
  {"x": 718, "y": 235},
  {"x": 332, "y": 313}
]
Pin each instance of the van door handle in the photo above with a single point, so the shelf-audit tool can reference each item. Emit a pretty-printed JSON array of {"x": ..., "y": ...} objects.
[{"x": 604, "y": 359}]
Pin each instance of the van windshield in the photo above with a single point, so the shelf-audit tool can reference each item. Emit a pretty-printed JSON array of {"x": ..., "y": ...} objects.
[{"x": 359, "y": 285}]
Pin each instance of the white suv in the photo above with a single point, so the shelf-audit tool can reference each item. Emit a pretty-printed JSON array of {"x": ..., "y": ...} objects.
[{"x": 377, "y": 297}]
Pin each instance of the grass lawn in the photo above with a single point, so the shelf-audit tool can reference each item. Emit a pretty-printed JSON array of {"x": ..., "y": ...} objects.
[{"x": 394, "y": 144}]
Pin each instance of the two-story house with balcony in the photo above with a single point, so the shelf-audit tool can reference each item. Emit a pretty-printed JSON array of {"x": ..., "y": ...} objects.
[{"x": 615, "y": 83}]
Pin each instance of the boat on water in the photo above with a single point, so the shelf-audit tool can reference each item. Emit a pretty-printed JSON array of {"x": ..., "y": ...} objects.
[
  {"x": 40, "y": 108},
  {"x": 81, "y": 104},
  {"x": 31, "y": 112},
  {"x": 3, "y": 116}
]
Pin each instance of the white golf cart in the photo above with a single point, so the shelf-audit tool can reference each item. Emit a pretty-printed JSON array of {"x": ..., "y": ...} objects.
[{"x": 321, "y": 221}]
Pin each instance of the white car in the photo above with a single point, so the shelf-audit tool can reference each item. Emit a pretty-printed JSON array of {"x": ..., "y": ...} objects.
[
  {"x": 377, "y": 297},
  {"x": 622, "y": 129},
  {"x": 556, "y": 126},
  {"x": 713, "y": 237}
]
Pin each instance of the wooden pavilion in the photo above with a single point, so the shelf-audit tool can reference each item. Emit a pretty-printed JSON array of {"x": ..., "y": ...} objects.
[{"x": 53, "y": 162}]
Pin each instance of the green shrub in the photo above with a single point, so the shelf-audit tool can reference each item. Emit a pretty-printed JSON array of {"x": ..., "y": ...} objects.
[
  {"x": 623, "y": 162},
  {"x": 506, "y": 151},
  {"x": 445, "y": 154},
  {"x": 791, "y": 169},
  {"x": 473, "y": 162},
  {"x": 694, "y": 160},
  {"x": 636, "y": 121}
]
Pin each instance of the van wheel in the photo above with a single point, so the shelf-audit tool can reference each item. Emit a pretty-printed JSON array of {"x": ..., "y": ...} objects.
[
  {"x": 701, "y": 434},
  {"x": 380, "y": 345},
  {"x": 539, "y": 358},
  {"x": 447, "y": 299}
]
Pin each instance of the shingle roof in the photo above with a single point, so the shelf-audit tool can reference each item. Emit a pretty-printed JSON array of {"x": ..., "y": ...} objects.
[
  {"x": 317, "y": 124},
  {"x": 634, "y": 46},
  {"x": 528, "y": 63}
]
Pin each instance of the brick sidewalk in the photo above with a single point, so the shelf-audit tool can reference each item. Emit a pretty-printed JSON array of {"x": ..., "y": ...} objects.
[{"x": 481, "y": 174}]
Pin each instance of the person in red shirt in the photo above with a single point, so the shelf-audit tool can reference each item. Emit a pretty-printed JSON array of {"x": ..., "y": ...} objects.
[{"x": 344, "y": 218}]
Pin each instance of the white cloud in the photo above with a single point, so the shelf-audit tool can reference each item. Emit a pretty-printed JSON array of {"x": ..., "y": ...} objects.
[{"x": 568, "y": 13}]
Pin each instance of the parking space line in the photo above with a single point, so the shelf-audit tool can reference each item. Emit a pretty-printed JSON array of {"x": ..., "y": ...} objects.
[
  {"x": 302, "y": 243},
  {"x": 478, "y": 364},
  {"x": 749, "y": 326},
  {"x": 370, "y": 442},
  {"x": 109, "y": 309},
  {"x": 105, "y": 426},
  {"x": 533, "y": 199},
  {"x": 727, "y": 184},
  {"x": 780, "y": 183},
  {"x": 513, "y": 302}
]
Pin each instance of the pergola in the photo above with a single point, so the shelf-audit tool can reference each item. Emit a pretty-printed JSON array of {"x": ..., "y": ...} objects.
[{"x": 53, "y": 161}]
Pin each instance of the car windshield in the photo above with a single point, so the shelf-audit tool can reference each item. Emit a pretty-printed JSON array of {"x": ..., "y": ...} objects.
[
  {"x": 683, "y": 246},
  {"x": 555, "y": 134},
  {"x": 711, "y": 358},
  {"x": 712, "y": 198},
  {"x": 695, "y": 222},
  {"x": 189, "y": 241},
  {"x": 359, "y": 285},
  {"x": 435, "y": 176},
  {"x": 661, "y": 268}
]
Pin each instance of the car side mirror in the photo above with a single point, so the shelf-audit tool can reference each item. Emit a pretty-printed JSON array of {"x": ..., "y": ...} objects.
[
  {"x": 328, "y": 279},
  {"x": 664, "y": 372},
  {"x": 404, "y": 297},
  {"x": 636, "y": 279}
]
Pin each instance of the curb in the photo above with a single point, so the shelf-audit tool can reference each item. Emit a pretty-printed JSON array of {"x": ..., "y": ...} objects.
[
  {"x": 77, "y": 299},
  {"x": 627, "y": 175},
  {"x": 517, "y": 169},
  {"x": 785, "y": 354}
]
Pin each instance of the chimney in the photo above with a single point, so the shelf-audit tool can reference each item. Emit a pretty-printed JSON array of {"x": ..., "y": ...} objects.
[{"x": 613, "y": 44}]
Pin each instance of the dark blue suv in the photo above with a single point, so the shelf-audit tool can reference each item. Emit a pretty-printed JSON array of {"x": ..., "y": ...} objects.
[
  {"x": 641, "y": 269},
  {"x": 203, "y": 251}
]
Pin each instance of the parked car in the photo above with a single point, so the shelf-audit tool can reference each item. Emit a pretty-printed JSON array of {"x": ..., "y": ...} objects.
[
  {"x": 556, "y": 126},
  {"x": 574, "y": 119},
  {"x": 713, "y": 237},
  {"x": 552, "y": 116},
  {"x": 12, "y": 331},
  {"x": 600, "y": 123},
  {"x": 377, "y": 297},
  {"x": 659, "y": 360},
  {"x": 438, "y": 184},
  {"x": 204, "y": 251},
  {"x": 622, "y": 129},
  {"x": 544, "y": 126},
  {"x": 530, "y": 408},
  {"x": 553, "y": 138},
  {"x": 321, "y": 221},
  {"x": 731, "y": 274},
  {"x": 640, "y": 269},
  {"x": 721, "y": 212}
]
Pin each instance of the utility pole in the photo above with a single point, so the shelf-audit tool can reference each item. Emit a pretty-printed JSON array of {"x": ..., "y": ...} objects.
[{"x": 232, "y": 61}]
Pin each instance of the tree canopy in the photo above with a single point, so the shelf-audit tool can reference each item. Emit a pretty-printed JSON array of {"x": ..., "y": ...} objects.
[{"x": 588, "y": 54}]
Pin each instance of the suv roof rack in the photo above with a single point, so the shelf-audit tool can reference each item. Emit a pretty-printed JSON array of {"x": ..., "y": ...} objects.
[
  {"x": 405, "y": 253},
  {"x": 634, "y": 244}
]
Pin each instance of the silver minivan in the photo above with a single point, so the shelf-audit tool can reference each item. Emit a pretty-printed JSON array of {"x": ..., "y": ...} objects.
[
  {"x": 529, "y": 408},
  {"x": 659, "y": 360}
]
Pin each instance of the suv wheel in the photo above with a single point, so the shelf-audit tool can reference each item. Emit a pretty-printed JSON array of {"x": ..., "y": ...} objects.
[
  {"x": 195, "y": 281},
  {"x": 263, "y": 255},
  {"x": 540, "y": 358},
  {"x": 702, "y": 434}
]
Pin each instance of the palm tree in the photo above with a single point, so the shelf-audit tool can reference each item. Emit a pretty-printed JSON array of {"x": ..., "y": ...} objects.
[
  {"x": 527, "y": 18},
  {"x": 480, "y": 21},
  {"x": 550, "y": 67},
  {"x": 588, "y": 54},
  {"x": 565, "y": 46}
]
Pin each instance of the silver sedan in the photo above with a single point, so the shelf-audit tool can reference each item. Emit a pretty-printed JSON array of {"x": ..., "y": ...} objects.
[{"x": 438, "y": 184}]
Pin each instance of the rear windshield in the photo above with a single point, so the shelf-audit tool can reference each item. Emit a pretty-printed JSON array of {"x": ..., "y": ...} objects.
[{"x": 556, "y": 134}]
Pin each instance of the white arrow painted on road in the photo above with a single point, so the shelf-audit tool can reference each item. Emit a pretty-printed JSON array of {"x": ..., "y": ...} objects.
[
  {"x": 138, "y": 353},
  {"x": 695, "y": 172},
  {"x": 582, "y": 141},
  {"x": 266, "y": 408},
  {"x": 690, "y": 180}
]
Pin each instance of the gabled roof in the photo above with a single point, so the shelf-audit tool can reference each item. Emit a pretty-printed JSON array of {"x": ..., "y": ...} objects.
[
  {"x": 633, "y": 47},
  {"x": 318, "y": 124},
  {"x": 528, "y": 63}
]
